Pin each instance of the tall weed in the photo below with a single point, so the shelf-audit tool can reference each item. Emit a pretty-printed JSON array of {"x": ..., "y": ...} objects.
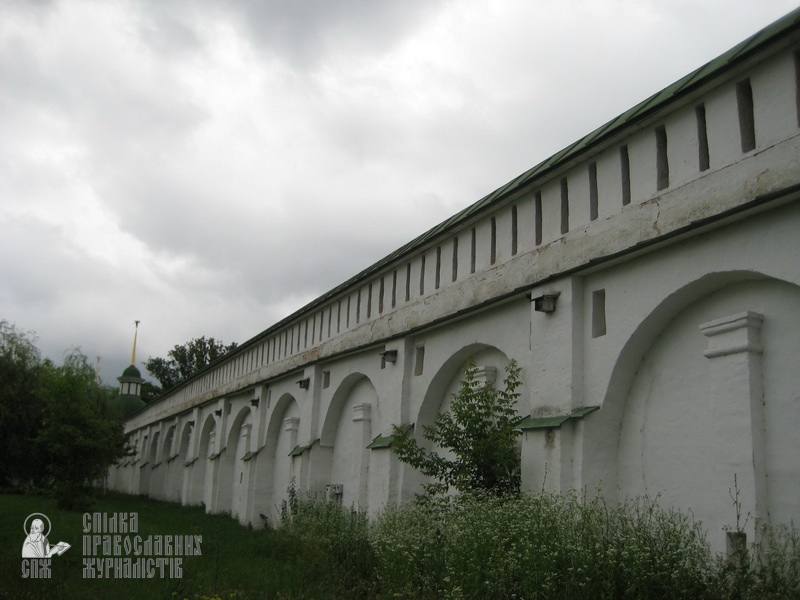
[
  {"x": 539, "y": 546},
  {"x": 769, "y": 569},
  {"x": 339, "y": 535}
]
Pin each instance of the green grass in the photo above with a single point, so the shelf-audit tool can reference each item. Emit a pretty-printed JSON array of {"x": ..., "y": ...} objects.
[
  {"x": 529, "y": 546},
  {"x": 236, "y": 563}
]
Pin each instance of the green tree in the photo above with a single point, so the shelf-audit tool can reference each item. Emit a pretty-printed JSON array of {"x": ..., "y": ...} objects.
[
  {"x": 480, "y": 431},
  {"x": 185, "y": 360},
  {"x": 77, "y": 437},
  {"x": 20, "y": 408}
]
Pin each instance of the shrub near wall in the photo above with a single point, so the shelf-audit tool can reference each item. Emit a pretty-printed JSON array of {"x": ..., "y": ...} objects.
[
  {"x": 543, "y": 546},
  {"x": 338, "y": 537},
  {"x": 536, "y": 547}
]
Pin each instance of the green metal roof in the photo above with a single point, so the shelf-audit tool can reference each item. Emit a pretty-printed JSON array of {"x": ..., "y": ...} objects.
[
  {"x": 582, "y": 412},
  {"x": 132, "y": 371},
  {"x": 778, "y": 30},
  {"x": 531, "y": 422},
  {"x": 542, "y": 422},
  {"x": 386, "y": 441},
  {"x": 298, "y": 450},
  {"x": 736, "y": 55},
  {"x": 381, "y": 441}
]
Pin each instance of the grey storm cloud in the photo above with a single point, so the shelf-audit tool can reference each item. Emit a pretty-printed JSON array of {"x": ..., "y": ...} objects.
[
  {"x": 302, "y": 33},
  {"x": 209, "y": 166}
]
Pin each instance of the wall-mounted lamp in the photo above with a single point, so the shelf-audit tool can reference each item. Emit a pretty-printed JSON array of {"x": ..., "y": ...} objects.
[
  {"x": 304, "y": 383},
  {"x": 255, "y": 401},
  {"x": 388, "y": 356},
  {"x": 545, "y": 303}
]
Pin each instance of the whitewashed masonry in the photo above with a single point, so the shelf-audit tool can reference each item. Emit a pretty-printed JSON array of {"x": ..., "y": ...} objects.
[{"x": 667, "y": 241}]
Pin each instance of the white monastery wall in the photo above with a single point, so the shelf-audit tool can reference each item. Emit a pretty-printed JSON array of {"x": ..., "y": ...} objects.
[{"x": 670, "y": 240}]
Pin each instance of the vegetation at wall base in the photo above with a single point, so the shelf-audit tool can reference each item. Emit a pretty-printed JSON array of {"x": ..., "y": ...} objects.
[
  {"x": 474, "y": 546},
  {"x": 237, "y": 563}
]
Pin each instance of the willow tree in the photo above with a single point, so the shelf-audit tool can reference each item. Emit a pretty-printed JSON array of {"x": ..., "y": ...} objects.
[{"x": 78, "y": 437}]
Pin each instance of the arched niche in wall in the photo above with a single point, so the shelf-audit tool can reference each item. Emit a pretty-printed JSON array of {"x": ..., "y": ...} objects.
[
  {"x": 166, "y": 448},
  {"x": 346, "y": 431},
  {"x": 274, "y": 467},
  {"x": 230, "y": 494},
  {"x": 490, "y": 362},
  {"x": 687, "y": 412},
  {"x": 186, "y": 429},
  {"x": 199, "y": 463},
  {"x": 167, "y": 479},
  {"x": 447, "y": 379}
]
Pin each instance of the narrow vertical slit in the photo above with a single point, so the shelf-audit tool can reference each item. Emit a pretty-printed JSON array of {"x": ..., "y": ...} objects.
[
  {"x": 625, "y": 164},
  {"x": 702, "y": 138},
  {"x": 564, "y": 205},
  {"x": 408, "y": 282},
  {"x": 744, "y": 102},
  {"x": 598, "y": 313},
  {"x": 473, "y": 250},
  {"x": 347, "y": 320},
  {"x": 419, "y": 360},
  {"x": 422, "y": 277},
  {"x": 437, "y": 279},
  {"x": 455, "y": 258},
  {"x": 662, "y": 162},
  {"x": 369, "y": 300},
  {"x": 394, "y": 288},
  {"x": 514, "y": 230},
  {"x": 593, "y": 191},
  {"x": 381, "y": 289},
  {"x": 797, "y": 84},
  {"x": 358, "y": 307},
  {"x": 493, "y": 241},
  {"x": 537, "y": 209}
]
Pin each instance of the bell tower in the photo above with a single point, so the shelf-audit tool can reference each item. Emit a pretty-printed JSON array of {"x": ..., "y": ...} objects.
[{"x": 130, "y": 400}]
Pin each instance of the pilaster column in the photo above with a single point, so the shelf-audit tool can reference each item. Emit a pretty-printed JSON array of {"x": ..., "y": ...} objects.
[
  {"x": 737, "y": 409},
  {"x": 557, "y": 368},
  {"x": 362, "y": 413}
]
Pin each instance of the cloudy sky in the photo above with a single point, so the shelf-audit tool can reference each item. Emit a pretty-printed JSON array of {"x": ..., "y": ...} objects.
[{"x": 209, "y": 166}]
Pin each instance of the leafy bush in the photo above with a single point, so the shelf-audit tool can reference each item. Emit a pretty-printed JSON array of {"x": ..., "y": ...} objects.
[{"x": 480, "y": 429}]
